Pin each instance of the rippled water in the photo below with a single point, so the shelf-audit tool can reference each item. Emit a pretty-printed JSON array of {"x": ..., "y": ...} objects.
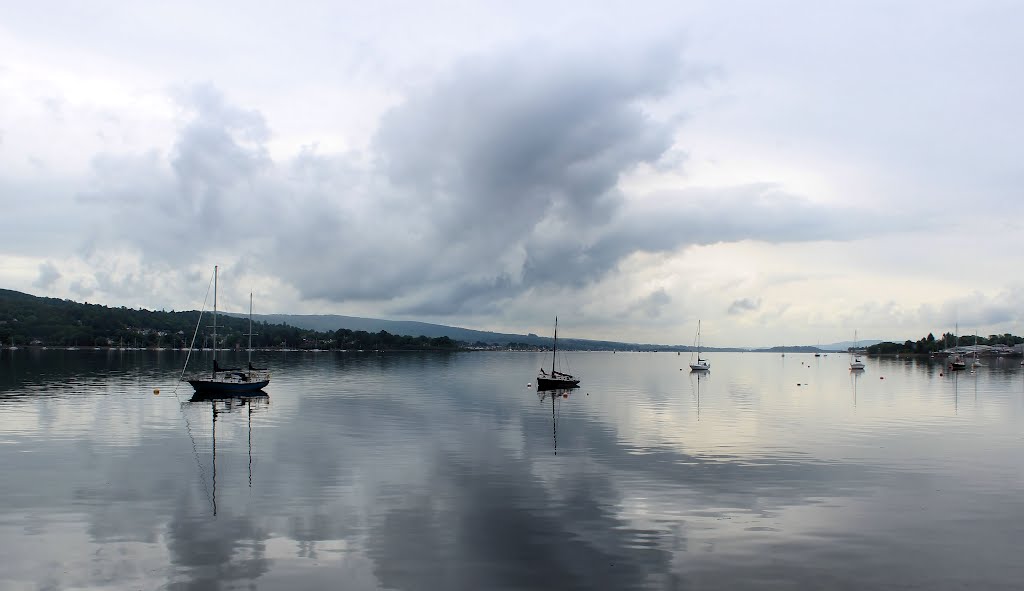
[{"x": 445, "y": 471}]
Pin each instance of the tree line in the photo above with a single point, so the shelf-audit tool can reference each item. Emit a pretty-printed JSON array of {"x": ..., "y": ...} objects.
[
  {"x": 930, "y": 344},
  {"x": 31, "y": 320}
]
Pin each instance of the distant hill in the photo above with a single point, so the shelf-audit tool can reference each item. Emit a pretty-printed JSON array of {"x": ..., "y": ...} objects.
[
  {"x": 28, "y": 318},
  {"x": 332, "y": 322},
  {"x": 844, "y": 345}
]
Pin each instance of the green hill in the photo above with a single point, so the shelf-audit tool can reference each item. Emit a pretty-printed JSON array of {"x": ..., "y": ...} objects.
[{"x": 30, "y": 320}]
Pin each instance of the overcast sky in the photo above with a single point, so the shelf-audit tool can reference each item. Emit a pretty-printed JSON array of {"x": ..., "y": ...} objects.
[{"x": 788, "y": 172}]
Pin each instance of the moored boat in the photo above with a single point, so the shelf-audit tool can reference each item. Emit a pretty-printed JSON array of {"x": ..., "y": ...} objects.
[
  {"x": 556, "y": 379},
  {"x": 230, "y": 380},
  {"x": 701, "y": 364}
]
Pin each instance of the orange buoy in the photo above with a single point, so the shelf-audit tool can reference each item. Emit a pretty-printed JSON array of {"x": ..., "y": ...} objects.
[{"x": 156, "y": 391}]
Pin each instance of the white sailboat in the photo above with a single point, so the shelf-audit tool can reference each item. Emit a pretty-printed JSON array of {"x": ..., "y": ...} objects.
[
  {"x": 856, "y": 363},
  {"x": 701, "y": 364},
  {"x": 976, "y": 362}
]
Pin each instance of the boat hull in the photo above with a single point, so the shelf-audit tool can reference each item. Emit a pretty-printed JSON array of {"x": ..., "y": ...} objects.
[
  {"x": 556, "y": 383},
  {"x": 222, "y": 387},
  {"x": 699, "y": 367}
]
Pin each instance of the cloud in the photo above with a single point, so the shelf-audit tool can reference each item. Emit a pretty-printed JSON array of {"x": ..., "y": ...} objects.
[
  {"x": 48, "y": 275},
  {"x": 500, "y": 180},
  {"x": 743, "y": 305},
  {"x": 652, "y": 304}
]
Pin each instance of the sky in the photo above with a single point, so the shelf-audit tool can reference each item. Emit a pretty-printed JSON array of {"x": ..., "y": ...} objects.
[{"x": 784, "y": 172}]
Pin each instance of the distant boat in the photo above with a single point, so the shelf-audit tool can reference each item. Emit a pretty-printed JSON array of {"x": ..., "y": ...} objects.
[
  {"x": 856, "y": 363},
  {"x": 702, "y": 364},
  {"x": 556, "y": 379},
  {"x": 957, "y": 362},
  {"x": 230, "y": 380},
  {"x": 976, "y": 362}
]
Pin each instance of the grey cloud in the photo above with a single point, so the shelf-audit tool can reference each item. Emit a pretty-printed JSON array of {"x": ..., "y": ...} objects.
[
  {"x": 516, "y": 153},
  {"x": 499, "y": 180},
  {"x": 744, "y": 305},
  {"x": 81, "y": 289},
  {"x": 652, "y": 304},
  {"x": 206, "y": 191},
  {"x": 48, "y": 275}
]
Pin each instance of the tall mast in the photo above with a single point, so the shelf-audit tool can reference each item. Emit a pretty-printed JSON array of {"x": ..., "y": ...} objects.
[
  {"x": 250, "y": 328},
  {"x": 554, "y": 348},
  {"x": 215, "y": 319},
  {"x": 698, "y": 340}
]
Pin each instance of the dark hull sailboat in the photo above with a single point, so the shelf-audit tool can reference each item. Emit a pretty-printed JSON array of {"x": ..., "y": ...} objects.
[
  {"x": 556, "y": 380},
  {"x": 232, "y": 381}
]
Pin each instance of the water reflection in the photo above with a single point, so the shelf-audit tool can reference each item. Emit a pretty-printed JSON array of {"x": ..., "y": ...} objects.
[
  {"x": 557, "y": 397},
  {"x": 701, "y": 376},
  {"x": 435, "y": 472},
  {"x": 231, "y": 405}
]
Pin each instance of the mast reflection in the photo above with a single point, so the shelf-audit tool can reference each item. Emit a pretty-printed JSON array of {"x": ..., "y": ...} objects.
[
  {"x": 701, "y": 376},
  {"x": 556, "y": 395},
  {"x": 225, "y": 404}
]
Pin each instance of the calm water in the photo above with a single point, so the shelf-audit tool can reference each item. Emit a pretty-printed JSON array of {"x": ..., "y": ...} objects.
[{"x": 445, "y": 471}]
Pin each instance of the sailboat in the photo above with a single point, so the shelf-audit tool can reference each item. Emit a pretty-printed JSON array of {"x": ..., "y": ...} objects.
[
  {"x": 556, "y": 379},
  {"x": 976, "y": 362},
  {"x": 957, "y": 362},
  {"x": 856, "y": 363},
  {"x": 702, "y": 364},
  {"x": 230, "y": 380}
]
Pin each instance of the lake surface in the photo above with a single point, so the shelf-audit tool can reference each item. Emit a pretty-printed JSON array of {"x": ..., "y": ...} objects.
[{"x": 445, "y": 471}]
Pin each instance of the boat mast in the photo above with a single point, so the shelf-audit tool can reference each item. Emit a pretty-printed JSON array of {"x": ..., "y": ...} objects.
[
  {"x": 215, "y": 321},
  {"x": 250, "y": 328},
  {"x": 554, "y": 348},
  {"x": 698, "y": 341}
]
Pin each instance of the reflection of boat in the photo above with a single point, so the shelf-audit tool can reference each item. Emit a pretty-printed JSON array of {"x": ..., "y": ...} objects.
[
  {"x": 220, "y": 404},
  {"x": 700, "y": 376},
  {"x": 855, "y": 376},
  {"x": 555, "y": 379},
  {"x": 558, "y": 394},
  {"x": 230, "y": 380},
  {"x": 856, "y": 363},
  {"x": 702, "y": 364}
]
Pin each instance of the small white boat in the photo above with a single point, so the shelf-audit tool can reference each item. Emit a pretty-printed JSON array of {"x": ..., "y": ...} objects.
[
  {"x": 701, "y": 364},
  {"x": 856, "y": 363}
]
